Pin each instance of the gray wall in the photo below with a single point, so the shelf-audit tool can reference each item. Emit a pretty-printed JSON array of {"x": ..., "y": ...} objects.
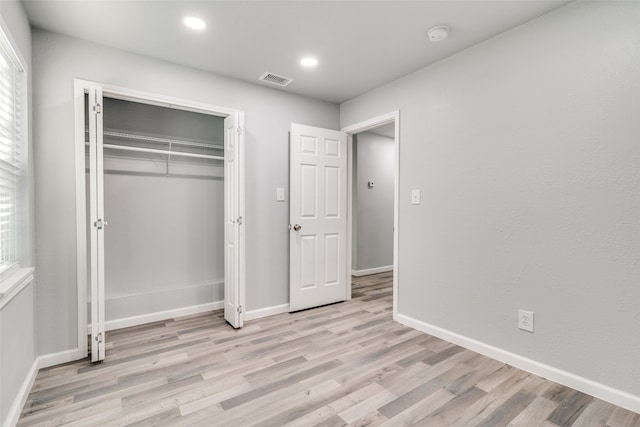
[
  {"x": 164, "y": 242},
  {"x": 526, "y": 151},
  {"x": 17, "y": 346},
  {"x": 375, "y": 157},
  {"x": 57, "y": 61},
  {"x": 165, "y": 122},
  {"x": 17, "y": 317}
]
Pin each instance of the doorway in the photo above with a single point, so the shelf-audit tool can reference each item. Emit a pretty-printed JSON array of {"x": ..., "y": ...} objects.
[
  {"x": 164, "y": 149},
  {"x": 373, "y": 165},
  {"x": 387, "y": 125},
  {"x": 321, "y": 229}
]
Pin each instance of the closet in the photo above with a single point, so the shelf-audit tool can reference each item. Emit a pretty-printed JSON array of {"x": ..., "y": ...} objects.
[{"x": 162, "y": 187}]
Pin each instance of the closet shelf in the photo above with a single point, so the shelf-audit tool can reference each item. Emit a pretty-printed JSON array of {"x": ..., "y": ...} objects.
[
  {"x": 153, "y": 150},
  {"x": 159, "y": 140},
  {"x": 145, "y": 138},
  {"x": 166, "y": 142}
]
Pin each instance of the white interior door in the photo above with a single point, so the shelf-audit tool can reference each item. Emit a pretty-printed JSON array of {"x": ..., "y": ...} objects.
[
  {"x": 96, "y": 224},
  {"x": 233, "y": 280},
  {"x": 318, "y": 216}
]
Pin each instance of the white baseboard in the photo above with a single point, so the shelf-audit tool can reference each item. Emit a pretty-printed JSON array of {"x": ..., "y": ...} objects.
[
  {"x": 267, "y": 311},
  {"x": 53, "y": 359},
  {"x": 369, "y": 271},
  {"x": 39, "y": 363},
  {"x": 126, "y": 322},
  {"x": 601, "y": 391},
  {"x": 159, "y": 300}
]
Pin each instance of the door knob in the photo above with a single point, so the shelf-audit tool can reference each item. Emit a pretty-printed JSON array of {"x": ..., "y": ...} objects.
[{"x": 297, "y": 227}]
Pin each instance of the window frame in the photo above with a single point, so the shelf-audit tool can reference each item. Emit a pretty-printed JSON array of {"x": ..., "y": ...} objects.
[{"x": 17, "y": 274}]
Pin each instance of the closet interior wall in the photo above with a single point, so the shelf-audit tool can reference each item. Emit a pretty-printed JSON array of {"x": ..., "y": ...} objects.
[{"x": 164, "y": 243}]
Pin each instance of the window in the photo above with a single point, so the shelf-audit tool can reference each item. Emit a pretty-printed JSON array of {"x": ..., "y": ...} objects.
[{"x": 14, "y": 238}]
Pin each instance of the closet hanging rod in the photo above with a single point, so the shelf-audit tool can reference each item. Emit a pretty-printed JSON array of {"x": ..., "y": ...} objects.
[
  {"x": 153, "y": 150},
  {"x": 161, "y": 140},
  {"x": 158, "y": 139}
]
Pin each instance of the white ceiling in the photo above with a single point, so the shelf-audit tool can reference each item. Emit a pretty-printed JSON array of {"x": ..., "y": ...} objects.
[{"x": 360, "y": 44}]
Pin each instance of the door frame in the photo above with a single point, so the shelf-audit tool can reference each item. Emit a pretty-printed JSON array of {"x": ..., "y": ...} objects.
[
  {"x": 392, "y": 117},
  {"x": 125, "y": 94}
]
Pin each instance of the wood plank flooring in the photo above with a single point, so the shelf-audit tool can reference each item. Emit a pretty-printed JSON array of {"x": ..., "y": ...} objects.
[{"x": 342, "y": 364}]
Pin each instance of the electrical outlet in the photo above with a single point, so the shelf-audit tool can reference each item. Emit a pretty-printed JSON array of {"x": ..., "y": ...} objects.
[{"x": 525, "y": 320}]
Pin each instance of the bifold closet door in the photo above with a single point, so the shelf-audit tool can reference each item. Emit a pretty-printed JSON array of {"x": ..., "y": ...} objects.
[
  {"x": 96, "y": 223},
  {"x": 233, "y": 212},
  {"x": 233, "y": 291}
]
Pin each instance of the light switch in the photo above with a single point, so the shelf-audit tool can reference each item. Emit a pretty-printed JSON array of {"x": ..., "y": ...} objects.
[
  {"x": 415, "y": 197},
  {"x": 280, "y": 194}
]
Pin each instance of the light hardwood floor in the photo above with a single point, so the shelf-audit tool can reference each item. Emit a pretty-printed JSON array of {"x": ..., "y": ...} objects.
[{"x": 342, "y": 364}]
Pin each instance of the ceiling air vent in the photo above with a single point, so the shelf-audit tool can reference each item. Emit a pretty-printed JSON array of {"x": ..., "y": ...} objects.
[{"x": 275, "y": 79}]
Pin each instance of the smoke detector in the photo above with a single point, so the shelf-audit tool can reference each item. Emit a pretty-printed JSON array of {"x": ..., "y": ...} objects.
[{"x": 439, "y": 33}]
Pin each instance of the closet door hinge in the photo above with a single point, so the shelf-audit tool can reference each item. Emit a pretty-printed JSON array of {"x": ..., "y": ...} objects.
[
  {"x": 239, "y": 309},
  {"x": 239, "y": 129},
  {"x": 99, "y": 338},
  {"x": 97, "y": 108},
  {"x": 239, "y": 221},
  {"x": 99, "y": 224}
]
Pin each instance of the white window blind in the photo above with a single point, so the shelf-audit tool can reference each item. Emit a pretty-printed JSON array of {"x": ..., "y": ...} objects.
[{"x": 11, "y": 120}]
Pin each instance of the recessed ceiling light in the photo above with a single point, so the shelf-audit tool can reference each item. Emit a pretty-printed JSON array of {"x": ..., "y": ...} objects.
[
  {"x": 195, "y": 23},
  {"x": 309, "y": 62},
  {"x": 439, "y": 33}
]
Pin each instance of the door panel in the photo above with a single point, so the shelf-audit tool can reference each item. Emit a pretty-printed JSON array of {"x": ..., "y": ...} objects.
[
  {"x": 318, "y": 273},
  {"x": 233, "y": 290},
  {"x": 332, "y": 259},
  {"x": 97, "y": 223},
  {"x": 100, "y": 339},
  {"x": 308, "y": 265},
  {"x": 309, "y": 191},
  {"x": 332, "y": 192}
]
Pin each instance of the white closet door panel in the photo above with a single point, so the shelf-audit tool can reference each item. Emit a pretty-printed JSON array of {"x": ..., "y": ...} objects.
[
  {"x": 233, "y": 310},
  {"x": 97, "y": 223},
  {"x": 101, "y": 341}
]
